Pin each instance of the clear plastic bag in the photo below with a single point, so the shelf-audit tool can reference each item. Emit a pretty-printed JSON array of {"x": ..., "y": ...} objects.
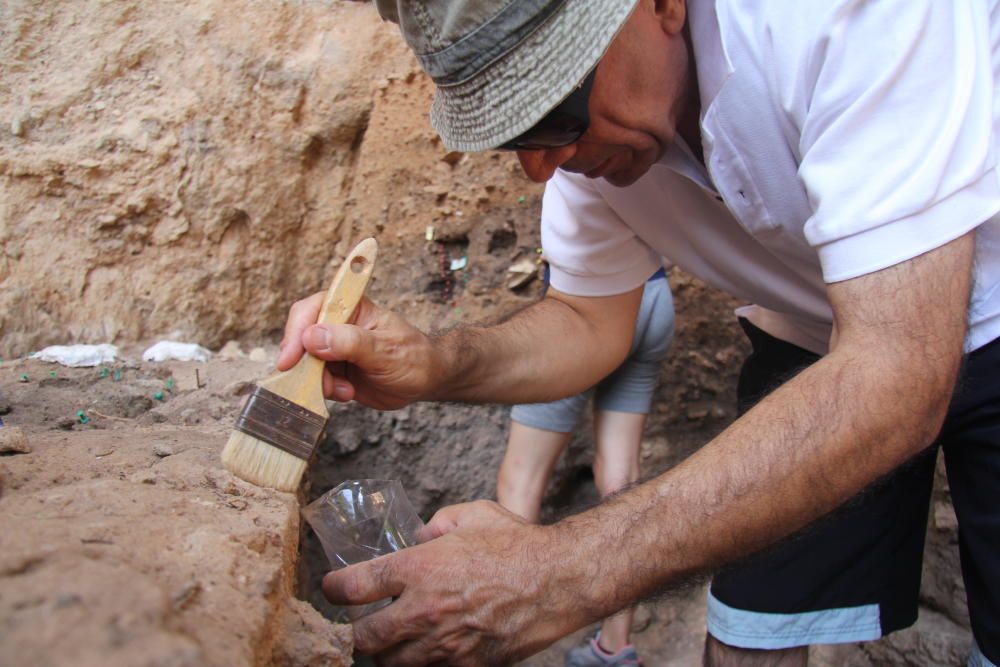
[{"x": 360, "y": 520}]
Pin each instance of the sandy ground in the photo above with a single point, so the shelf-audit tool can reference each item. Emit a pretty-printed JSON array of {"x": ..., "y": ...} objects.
[{"x": 122, "y": 539}]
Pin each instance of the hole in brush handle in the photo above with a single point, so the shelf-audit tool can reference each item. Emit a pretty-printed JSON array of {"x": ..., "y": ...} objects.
[{"x": 358, "y": 264}]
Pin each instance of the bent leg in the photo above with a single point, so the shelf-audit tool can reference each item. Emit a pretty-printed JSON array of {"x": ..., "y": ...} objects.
[
  {"x": 616, "y": 465},
  {"x": 718, "y": 654},
  {"x": 527, "y": 465}
]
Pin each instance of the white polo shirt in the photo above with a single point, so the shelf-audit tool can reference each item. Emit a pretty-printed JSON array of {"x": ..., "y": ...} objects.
[{"x": 840, "y": 138}]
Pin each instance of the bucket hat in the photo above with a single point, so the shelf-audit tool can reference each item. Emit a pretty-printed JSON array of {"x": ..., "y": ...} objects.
[{"x": 501, "y": 65}]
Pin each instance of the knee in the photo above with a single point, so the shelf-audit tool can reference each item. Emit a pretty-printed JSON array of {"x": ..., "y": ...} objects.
[
  {"x": 610, "y": 477},
  {"x": 718, "y": 654}
]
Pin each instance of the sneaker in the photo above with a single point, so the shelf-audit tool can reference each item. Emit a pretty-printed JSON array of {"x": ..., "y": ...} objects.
[{"x": 592, "y": 655}]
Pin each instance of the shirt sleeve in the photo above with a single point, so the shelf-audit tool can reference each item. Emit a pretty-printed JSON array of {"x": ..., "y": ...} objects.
[
  {"x": 590, "y": 249},
  {"x": 897, "y": 140}
]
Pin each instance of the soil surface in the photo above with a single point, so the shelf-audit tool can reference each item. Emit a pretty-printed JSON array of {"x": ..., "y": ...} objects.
[{"x": 122, "y": 539}]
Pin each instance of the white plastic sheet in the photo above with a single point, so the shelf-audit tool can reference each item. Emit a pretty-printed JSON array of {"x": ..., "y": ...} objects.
[
  {"x": 77, "y": 356},
  {"x": 167, "y": 350}
]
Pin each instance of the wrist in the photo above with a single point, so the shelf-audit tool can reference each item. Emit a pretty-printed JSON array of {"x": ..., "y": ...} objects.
[{"x": 448, "y": 364}]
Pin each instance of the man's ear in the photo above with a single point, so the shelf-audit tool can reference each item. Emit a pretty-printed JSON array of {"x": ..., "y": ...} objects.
[{"x": 671, "y": 14}]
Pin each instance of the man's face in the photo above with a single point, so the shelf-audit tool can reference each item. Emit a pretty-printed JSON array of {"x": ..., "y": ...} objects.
[{"x": 640, "y": 91}]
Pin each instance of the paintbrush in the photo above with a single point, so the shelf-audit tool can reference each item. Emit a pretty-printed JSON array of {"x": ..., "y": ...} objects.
[{"x": 285, "y": 415}]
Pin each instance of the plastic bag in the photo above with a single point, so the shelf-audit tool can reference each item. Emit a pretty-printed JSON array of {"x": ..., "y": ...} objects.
[{"x": 360, "y": 520}]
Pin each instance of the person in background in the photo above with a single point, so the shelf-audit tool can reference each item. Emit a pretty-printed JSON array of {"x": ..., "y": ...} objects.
[{"x": 540, "y": 432}]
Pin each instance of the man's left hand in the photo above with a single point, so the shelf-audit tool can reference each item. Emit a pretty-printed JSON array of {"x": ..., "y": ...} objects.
[{"x": 487, "y": 588}]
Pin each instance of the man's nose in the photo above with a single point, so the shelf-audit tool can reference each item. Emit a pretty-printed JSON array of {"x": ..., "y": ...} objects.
[{"x": 540, "y": 165}]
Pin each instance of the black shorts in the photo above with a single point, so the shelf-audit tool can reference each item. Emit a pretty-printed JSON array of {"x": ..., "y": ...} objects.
[{"x": 855, "y": 574}]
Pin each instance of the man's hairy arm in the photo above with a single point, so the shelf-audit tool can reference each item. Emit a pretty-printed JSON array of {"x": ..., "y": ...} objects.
[
  {"x": 876, "y": 400},
  {"x": 557, "y": 347},
  {"x": 551, "y": 349},
  {"x": 492, "y": 589}
]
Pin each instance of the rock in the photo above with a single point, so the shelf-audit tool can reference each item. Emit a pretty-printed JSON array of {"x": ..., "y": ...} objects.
[
  {"x": 520, "y": 280},
  {"x": 641, "y": 618},
  {"x": 163, "y": 450},
  {"x": 259, "y": 354},
  {"x": 137, "y": 405},
  {"x": 522, "y": 273},
  {"x": 190, "y": 416},
  {"x": 185, "y": 595},
  {"x": 67, "y": 600},
  {"x": 238, "y": 388},
  {"x": 13, "y": 441},
  {"x": 307, "y": 639},
  {"x": 945, "y": 518},
  {"x": 231, "y": 350}
]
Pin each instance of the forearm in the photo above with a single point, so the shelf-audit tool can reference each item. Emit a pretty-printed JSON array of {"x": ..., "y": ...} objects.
[
  {"x": 780, "y": 467},
  {"x": 552, "y": 349},
  {"x": 801, "y": 452}
]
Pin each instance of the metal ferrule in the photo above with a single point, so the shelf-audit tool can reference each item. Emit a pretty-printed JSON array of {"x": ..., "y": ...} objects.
[{"x": 281, "y": 423}]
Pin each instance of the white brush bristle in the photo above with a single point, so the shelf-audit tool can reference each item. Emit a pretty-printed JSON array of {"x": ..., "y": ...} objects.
[{"x": 262, "y": 464}]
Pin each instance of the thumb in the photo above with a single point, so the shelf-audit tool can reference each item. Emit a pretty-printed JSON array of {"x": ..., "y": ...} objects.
[
  {"x": 449, "y": 518},
  {"x": 339, "y": 342}
]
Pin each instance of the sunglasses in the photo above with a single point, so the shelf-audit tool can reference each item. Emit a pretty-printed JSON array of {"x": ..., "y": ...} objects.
[{"x": 560, "y": 127}]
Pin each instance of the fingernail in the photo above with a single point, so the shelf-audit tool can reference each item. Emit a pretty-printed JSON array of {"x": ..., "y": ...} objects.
[{"x": 319, "y": 338}]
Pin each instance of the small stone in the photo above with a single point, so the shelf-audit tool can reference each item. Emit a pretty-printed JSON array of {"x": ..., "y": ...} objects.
[
  {"x": 238, "y": 388},
  {"x": 186, "y": 595},
  {"x": 519, "y": 280},
  {"x": 452, "y": 157},
  {"x": 259, "y": 354},
  {"x": 231, "y": 350},
  {"x": 641, "y": 619},
  {"x": 66, "y": 423},
  {"x": 696, "y": 413},
  {"x": 67, "y": 600},
  {"x": 13, "y": 441},
  {"x": 238, "y": 504},
  {"x": 137, "y": 405},
  {"x": 945, "y": 518},
  {"x": 163, "y": 450},
  {"x": 17, "y": 126},
  {"x": 190, "y": 416}
]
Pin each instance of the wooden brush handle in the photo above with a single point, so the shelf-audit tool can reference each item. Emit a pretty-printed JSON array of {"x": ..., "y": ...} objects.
[
  {"x": 303, "y": 383},
  {"x": 349, "y": 284}
]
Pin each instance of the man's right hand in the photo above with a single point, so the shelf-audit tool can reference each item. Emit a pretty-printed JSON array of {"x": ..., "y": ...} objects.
[
  {"x": 382, "y": 361},
  {"x": 379, "y": 359}
]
